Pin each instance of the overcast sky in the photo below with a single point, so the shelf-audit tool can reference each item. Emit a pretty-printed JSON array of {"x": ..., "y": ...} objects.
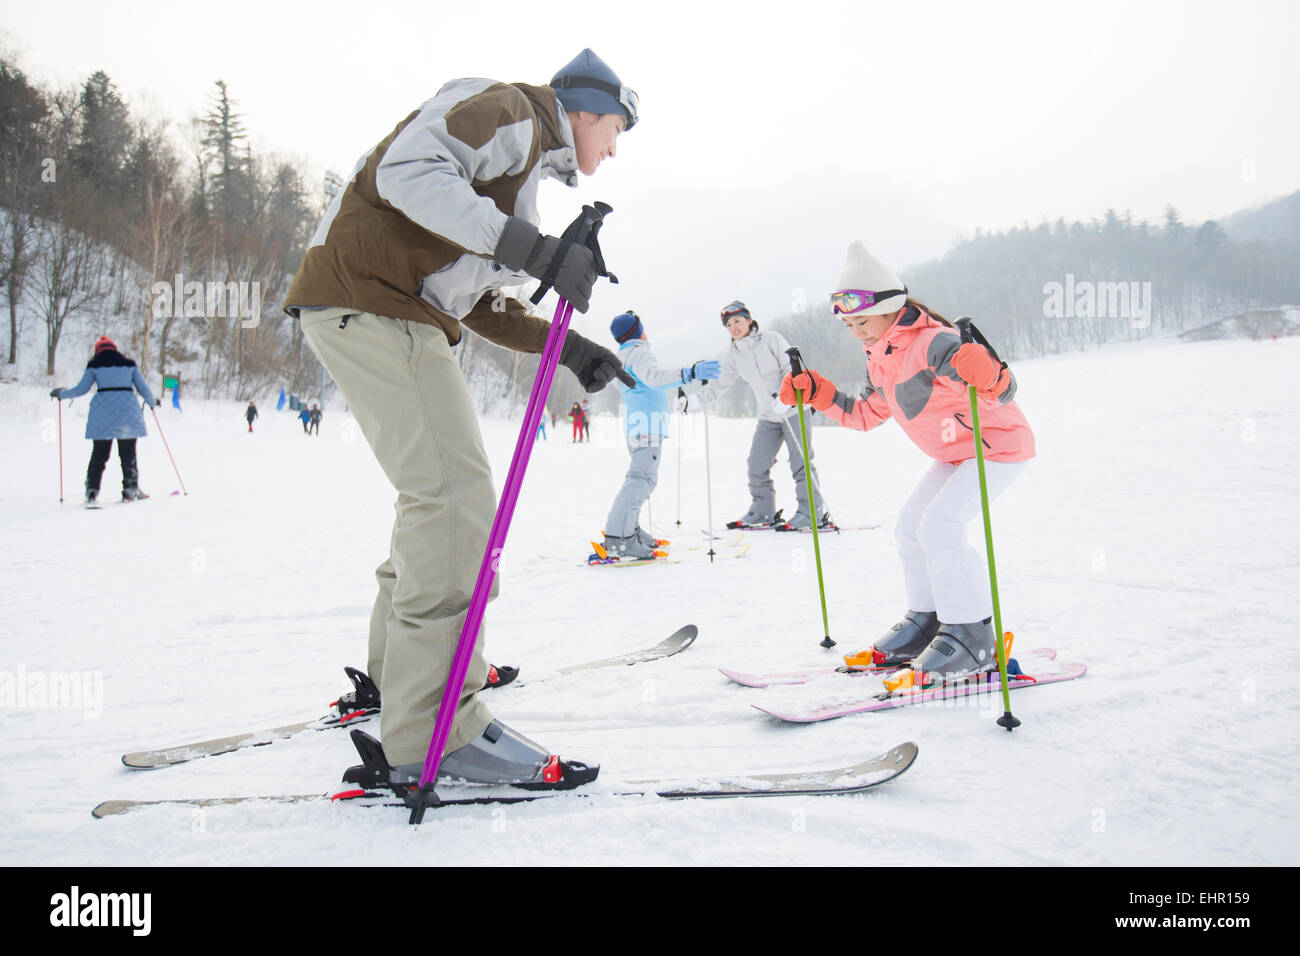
[{"x": 767, "y": 142}]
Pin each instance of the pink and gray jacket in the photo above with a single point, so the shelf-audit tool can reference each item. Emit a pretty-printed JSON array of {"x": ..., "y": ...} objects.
[{"x": 910, "y": 378}]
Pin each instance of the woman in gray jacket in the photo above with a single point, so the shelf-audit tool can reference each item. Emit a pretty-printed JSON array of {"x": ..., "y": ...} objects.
[
  {"x": 114, "y": 414},
  {"x": 759, "y": 359}
]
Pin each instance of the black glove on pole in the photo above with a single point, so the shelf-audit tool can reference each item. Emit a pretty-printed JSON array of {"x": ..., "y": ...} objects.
[
  {"x": 570, "y": 263},
  {"x": 595, "y": 365}
]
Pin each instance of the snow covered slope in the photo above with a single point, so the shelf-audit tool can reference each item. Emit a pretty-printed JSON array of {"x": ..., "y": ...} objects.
[{"x": 1153, "y": 538}]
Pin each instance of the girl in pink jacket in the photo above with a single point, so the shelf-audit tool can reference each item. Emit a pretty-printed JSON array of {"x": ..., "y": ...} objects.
[{"x": 918, "y": 371}]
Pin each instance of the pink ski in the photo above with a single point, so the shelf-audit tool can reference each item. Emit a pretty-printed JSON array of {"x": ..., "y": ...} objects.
[
  {"x": 990, "y": 687},
  {"x": 786, "y": 678}
]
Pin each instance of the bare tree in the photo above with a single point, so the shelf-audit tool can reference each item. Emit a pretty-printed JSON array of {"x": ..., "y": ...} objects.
[
  {"x": 66, "y": 277},
  {"x": 23, "y": 113},
  {"x": 159, "y": 227}
]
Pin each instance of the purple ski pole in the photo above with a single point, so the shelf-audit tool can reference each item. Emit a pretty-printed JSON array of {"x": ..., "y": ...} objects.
[{"x": 583, "y": 230}]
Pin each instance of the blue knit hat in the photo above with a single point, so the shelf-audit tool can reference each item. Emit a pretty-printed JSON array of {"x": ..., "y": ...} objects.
[
  {"x": 626, "y": 327},
  {"x": 586, "y": 83}
]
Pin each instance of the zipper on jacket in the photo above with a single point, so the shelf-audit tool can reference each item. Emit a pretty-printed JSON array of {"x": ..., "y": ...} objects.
[{"x": 344, "y": 323}]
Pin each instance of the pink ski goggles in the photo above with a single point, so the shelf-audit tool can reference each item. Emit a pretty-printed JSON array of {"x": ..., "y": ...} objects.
[{"x": 849, "y": 301}]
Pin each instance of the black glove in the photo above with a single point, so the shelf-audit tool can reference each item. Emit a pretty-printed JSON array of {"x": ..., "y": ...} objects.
[
  {"x": 157, "y": 403},
  {"x": 523, "y": 248},
  {"x": 54, "y": 392},
  {"x": 595, "y": 365}
]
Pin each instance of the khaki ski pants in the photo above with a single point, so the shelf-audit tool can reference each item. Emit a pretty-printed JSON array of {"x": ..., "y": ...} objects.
[{"x": 402, "y": 383}]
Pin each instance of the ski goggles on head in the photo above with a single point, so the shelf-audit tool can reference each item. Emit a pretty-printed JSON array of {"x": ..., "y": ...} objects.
[
  {"x": 849, "y": 301},
  {"x": 625, "y": 95},
  {"x": 736, "y": 308}
]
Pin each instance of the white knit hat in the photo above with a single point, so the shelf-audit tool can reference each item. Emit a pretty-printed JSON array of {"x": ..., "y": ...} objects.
[{"x": 864, "y": 271}]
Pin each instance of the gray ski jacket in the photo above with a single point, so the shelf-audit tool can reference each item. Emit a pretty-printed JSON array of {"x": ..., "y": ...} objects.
[
  {"x": 760, "y": 360},
  {"x": 413, "y": 233}
]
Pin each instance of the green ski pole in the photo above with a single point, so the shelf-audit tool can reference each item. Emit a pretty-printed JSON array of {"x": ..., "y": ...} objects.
[
  {"x": 796, "y": 368},
  {"x": 964, "y": 324}
]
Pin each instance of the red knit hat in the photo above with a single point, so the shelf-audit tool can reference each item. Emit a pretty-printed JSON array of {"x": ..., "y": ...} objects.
[{"x": 105, "y": 342}]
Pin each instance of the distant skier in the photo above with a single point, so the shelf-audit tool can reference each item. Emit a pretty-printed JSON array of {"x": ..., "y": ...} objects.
[
  {"x": 250, "y": 413},
  {"x": 304, "y": 416},
  {"x": 586, "y": 420},
  {"x": 315, "y": 419},
  {"x": 918, "y": 371},
  {"x": 648, "y": 411},
  {"x": 759, "y": 359},
  {"x": 114, "y": 415},
  {"x": 575, "y": 413}
]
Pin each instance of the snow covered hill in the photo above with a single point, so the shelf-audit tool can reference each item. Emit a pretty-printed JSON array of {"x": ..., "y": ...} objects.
[{"x": 1153, "y": 539}]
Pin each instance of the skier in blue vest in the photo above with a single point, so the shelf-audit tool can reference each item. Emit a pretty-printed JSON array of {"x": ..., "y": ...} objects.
[{"x": 648, "y": 411}]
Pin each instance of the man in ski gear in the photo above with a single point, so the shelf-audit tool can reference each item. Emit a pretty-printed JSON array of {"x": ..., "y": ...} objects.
[
  {"x": 250, "y": 413},
  {"x": 315, "y": 419},
  {"x": 918, "y": 373},
  {"x": 304, "y": 416},
  {"x": 648, "y": 411},
  {"x": 114, "y": 415},
  {"x": 759, "y": 359},
  {"x": 433, "y": 223}
]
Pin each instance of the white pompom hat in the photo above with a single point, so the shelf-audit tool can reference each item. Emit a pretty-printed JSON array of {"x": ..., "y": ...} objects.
[{"x": 864, "y": 271}]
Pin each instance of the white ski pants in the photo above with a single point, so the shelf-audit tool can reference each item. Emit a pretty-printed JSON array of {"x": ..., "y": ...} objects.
[{"x": 942, "y": 572}]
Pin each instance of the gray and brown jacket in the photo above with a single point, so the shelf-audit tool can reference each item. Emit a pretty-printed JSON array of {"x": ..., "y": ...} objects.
[{"x": 413, "y": 233}]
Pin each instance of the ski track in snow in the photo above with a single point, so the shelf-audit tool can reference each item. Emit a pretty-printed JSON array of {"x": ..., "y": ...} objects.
[{"x": 1153, "y": 539}]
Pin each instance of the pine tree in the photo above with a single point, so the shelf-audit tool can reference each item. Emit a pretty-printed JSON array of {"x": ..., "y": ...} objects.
[
  {"x": 101, "y": 150},
  {"x": 225, "y": 141}
]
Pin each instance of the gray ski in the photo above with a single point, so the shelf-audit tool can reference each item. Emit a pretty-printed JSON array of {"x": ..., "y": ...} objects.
[
  {"x": 840, "y": 780},
  {"x": 167, "y": 756}
]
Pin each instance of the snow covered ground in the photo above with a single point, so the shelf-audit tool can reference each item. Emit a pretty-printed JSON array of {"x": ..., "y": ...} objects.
[{"x": 1154, "y": 538}]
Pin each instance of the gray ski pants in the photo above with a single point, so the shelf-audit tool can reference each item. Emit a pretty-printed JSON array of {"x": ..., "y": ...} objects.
[
  {"x": 768, "y": 438},
  {"x": 642, "y": 476}
]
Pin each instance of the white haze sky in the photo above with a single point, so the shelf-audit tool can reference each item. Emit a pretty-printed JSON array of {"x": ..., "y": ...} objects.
[{"x": 771, "y": 136}]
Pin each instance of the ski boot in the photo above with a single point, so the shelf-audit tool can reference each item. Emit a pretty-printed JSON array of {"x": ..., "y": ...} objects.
[
  {"x": 649, "y": 540},
  {"x": 753, "y": 519},
  {"x": 624, "y": 549},
  {"x": 958, "y": 652},
  {"x": 903, "y": 642},
  {"x": 364, "y": 699},
  {"x": 803, "y": 522},
  {"x": 498, "y": 756},
  {"x": 132, "y": 493},
  {"x": 92, "y": 497}
]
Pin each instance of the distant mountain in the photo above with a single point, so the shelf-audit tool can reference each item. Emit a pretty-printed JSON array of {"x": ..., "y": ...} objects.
[{"x": 1274, "y": 221}]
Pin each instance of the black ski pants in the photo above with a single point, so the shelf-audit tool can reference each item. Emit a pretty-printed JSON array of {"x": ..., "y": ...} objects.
[{"x": 99, "y": 458}]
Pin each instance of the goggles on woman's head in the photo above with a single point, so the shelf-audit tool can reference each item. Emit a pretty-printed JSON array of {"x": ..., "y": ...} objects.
[{"x": 849, "y": 301}]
